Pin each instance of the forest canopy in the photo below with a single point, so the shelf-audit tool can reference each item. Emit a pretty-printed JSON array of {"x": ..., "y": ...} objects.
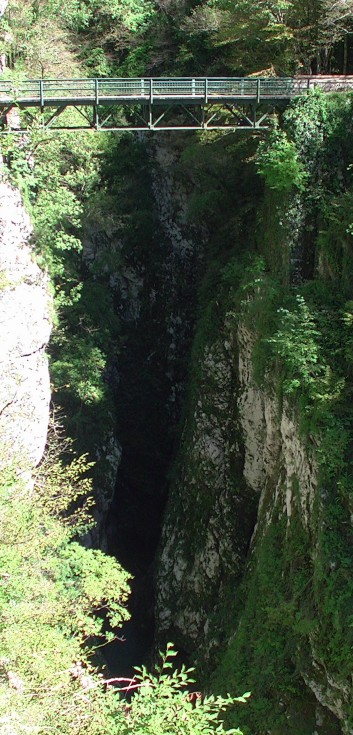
[{"x": 132, "y": 37}]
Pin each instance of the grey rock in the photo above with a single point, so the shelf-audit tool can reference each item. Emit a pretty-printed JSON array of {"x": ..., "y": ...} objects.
[{"x": 25, "y": 324}]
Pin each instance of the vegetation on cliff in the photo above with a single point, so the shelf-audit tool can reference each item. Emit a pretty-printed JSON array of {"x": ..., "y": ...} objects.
[
  {"x": 300, "y": 314},
  {"x": 279, "y": 267}
]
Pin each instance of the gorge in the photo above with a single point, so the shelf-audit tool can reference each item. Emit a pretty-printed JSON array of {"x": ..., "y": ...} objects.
[{"x": 198, "y": 289}]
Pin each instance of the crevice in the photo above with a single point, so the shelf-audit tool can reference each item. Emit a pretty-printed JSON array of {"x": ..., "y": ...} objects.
[
  {"x": 158, "y": 319},
  {"x": 41, "y": 348}
]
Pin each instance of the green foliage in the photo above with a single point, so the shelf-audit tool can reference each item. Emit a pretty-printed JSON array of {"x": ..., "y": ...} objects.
[
  {"x": 278, "y": 162},
  {"x": 133, "y": 37},
  {"x": 335, "y": 241},
  {"x": 296, "y": 343},
  {"x": 264, "y": 36},
  {"x": 282, "y": 612},
  {"x": 36, "y": 40},
  {"x": 51, "y": 590},
  {"x": 64, "y": 489},
  {"x": 293, "y": 339},
  {"x": 54, "y": 597},
  {"x": 162, "y": 706},
  {"x": 56, "y": 176},
  {"x": 59, "y": 177},
  {"x": 49, "y": 39},
  {"x": 320, "y": 126},
  {"x": 81, "y": 372},
  {"x": 251, "y": 35}
]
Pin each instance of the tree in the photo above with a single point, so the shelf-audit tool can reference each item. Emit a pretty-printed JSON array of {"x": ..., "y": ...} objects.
[
  {"x": 54, "y": 597},
  {"x": 47, "y": 53},
  {"x": 318, "y": 26},
  {"x": 35, "y": 38},
  {"x": 51, "y": 591},
  {"x": 251, "y": 35}
]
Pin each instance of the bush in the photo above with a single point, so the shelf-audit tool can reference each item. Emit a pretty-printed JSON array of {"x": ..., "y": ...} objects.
[
  {"x": 278, "y": 162},
  {"x": 55, "y": 596}
]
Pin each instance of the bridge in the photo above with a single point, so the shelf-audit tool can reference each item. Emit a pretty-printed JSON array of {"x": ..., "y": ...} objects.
[{"x": 193, "y": 103}]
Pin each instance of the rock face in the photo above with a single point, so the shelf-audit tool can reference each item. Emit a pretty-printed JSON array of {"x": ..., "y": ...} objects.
[
  {"x": 211, "y": 514},
  {"x": 25, "y": 330},
  {"x": 242, "y": 537},
  {"x": 181, "y": 259},
  {"x": 273, "y": 448},
  {"x": 3, "y": 6}
]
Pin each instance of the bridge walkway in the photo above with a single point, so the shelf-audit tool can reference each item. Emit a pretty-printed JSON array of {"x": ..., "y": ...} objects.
[{"x": 160, "y": 103}]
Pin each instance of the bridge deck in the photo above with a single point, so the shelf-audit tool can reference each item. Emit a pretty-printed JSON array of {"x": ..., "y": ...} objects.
[{"x": 200, "y": 97}]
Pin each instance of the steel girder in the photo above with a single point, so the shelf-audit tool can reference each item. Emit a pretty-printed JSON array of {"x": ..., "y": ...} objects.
[{"x": 176, "y": 115}]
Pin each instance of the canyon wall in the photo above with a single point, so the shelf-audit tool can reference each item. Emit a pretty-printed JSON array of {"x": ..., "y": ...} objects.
[
  {"x": 253, "y": 578},
  {"x": 240, "y": 544},
  {"x": 25, "y": 307}
]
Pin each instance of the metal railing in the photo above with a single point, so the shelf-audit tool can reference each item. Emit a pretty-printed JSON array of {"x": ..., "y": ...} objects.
[
  {"x": 44, "y": 91},
  {"x": 95, "y": 89}
]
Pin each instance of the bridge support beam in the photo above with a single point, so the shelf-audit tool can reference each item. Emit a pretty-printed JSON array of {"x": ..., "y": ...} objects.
[{"x": 175, "y": 115}]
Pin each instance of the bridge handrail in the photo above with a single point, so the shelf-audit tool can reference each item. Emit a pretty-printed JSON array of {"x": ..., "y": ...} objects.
[
  {"x": 92, "y": 89},
  {"x": 140, "y": 87}
]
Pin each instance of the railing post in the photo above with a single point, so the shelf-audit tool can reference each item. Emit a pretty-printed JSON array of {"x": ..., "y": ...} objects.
[
  {"x": 95, "y": 105},
  {"x": 203, "y": 117},
  {"x": 41, "y": 94},
  {"x": 150, "y": 118},
  {"x": 258, "y": 90},
  {"x": 142, "y": 87},
  {"x": 206, "y": 90}
]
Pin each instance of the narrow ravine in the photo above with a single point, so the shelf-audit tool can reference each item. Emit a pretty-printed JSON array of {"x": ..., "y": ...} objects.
[
  {"x": 182, "y": 300},
  {"x": 157, "y": 309}
]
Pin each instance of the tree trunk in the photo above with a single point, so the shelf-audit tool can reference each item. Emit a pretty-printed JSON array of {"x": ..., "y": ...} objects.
[{"x": 345, "y": 54}]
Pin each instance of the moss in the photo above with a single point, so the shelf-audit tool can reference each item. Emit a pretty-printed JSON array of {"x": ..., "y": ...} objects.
[{"x": 270, "y": 646}]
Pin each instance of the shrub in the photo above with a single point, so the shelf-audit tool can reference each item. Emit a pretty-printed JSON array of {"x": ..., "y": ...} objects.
[{"x": 277, "y": 161}]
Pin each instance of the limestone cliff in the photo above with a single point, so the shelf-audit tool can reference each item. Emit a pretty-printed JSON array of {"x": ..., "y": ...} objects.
[
  {"x": 240, "y": 444},
  {"x": 254, "y": 577},
  {"x": 206, "y": 534},
  {"x": 25, "y": 329},
  {"x": 3, "y": 6},
  {"x": 241, "y": 546}
]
